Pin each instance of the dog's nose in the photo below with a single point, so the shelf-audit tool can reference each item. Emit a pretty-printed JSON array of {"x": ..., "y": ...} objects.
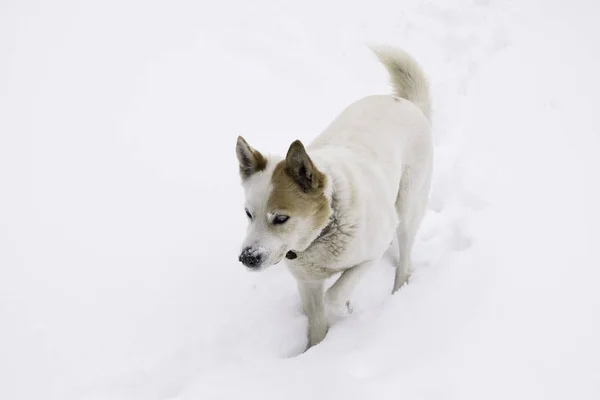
[{"x": 250, "y": 258}]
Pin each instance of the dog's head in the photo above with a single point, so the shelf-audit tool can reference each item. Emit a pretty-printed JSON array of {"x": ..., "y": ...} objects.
[{"x": 286, "y": 203}]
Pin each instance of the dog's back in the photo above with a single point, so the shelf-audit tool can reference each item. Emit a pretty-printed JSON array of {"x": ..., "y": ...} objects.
[
  {"x": 388, "y": 131},
  {"x": 380, "y": 147}
]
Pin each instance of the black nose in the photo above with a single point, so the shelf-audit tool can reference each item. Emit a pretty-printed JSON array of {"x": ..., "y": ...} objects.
[{"x": 250, "y": 258}]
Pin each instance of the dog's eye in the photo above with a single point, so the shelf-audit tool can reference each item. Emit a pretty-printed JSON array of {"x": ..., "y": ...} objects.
[
  {"x": 248, "y": 213},
  {"x": 280, "y": 219}
]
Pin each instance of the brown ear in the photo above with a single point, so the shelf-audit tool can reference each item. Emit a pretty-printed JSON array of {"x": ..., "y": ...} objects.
[
  {"x": 301, "y": 168},
  {"x": 250, "y": 160}
]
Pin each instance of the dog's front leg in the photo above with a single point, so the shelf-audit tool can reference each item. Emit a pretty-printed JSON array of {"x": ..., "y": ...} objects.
[
  {"x": 337, "y": 297},
  {"x": 313, "y": 304}
]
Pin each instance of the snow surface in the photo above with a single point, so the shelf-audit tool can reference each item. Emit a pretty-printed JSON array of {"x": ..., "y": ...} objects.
[{"x": 121, "y": 213}]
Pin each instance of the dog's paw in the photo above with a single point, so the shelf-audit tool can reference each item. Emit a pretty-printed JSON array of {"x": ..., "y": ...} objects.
[
  {"x": 335, "y": 312},
  {"x": 349, "y": 308}
]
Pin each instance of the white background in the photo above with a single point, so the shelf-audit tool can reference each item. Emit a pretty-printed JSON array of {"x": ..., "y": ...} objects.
[{"x": 121, "y": 213}]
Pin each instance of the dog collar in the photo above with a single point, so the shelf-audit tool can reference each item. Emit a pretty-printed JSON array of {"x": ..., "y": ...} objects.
[{"x": 292, "y": 255}]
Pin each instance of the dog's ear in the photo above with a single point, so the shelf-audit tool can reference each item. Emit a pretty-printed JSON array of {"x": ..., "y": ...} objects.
[
  {"x": 301, "y": 168},
  {"x": 250, "y": 160}
]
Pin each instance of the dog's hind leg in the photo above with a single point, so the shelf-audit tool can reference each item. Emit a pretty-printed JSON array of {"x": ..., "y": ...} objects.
[
  {"x": 411, "y": 205},
  {"x": 404, "y": 267}
]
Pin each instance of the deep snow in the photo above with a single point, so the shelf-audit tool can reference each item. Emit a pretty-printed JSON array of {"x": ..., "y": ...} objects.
[{"x": 121, "y": 214}]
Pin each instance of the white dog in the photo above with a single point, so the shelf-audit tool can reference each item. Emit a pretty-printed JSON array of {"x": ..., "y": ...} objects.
[{"x": 336, "y": 206}]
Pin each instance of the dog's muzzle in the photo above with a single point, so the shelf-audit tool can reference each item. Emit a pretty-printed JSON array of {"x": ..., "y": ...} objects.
[{"x": 251, "y": 258}]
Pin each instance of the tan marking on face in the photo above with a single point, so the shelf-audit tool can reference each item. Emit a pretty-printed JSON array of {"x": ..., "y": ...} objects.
[{"x": 289, "y": 197}]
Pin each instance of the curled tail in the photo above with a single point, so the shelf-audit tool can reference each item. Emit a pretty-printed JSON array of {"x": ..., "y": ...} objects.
[{"x": 407, "y": 77}]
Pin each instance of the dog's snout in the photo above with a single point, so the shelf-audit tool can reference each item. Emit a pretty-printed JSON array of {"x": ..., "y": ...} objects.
[{"x": 251, "y": 258}]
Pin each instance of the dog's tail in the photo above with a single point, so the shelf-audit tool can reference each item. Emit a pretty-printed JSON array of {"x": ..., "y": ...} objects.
[{"x": 407, "y": 77}]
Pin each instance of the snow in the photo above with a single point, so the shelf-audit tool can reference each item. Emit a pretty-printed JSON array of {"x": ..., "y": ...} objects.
[{"x": 121, "y": 213}]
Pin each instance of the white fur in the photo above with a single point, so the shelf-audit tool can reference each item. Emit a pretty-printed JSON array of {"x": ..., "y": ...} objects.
[
  {"x": 377, "y": 156},
  {"x": 258, "y": 235}
]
